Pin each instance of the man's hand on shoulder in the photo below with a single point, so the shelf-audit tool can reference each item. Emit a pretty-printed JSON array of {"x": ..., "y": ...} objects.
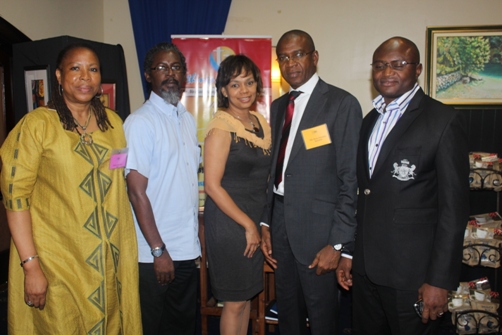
[{"x": 326, "y": 260}]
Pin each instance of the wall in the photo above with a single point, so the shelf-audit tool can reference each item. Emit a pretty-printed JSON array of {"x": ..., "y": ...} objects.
[
  {"x": 91, "y": 19},
  {"x": 105, "y": 21},
  {"x": 118, "y": 30},
  {"x": 346, "y": 32},
  {"x": 39, "y": 19}
]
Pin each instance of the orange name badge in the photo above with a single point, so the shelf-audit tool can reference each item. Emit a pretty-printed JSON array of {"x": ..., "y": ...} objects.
[{"x": 316, "y": 137}]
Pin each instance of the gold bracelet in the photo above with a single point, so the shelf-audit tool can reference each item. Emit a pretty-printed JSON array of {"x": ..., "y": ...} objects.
[{"x": 28, "y": 259}]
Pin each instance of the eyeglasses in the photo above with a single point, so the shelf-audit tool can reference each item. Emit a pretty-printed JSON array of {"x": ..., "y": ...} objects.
[
  {"x": 395, "y": 64},
  {"x": 295, "y": 57},
  {"x": 167, "y": 67}
]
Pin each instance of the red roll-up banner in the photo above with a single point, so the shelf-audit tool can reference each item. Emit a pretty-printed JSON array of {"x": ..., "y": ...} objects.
[{"x": 203, "y": 54}]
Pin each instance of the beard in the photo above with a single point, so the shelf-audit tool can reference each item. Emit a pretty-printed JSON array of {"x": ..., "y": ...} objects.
[{"x": 171, "y": 95}]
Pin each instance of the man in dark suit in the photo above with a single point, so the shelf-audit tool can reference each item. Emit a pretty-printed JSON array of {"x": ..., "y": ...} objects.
[
  {"x": 413, "y": 171},
  {"x": 310, "y": 217}
]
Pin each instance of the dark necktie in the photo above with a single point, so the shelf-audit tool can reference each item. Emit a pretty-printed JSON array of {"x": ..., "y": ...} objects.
[{"x": 285, "y": 134}]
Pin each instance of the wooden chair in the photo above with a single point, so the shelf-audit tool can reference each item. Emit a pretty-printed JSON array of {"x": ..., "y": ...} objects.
[
  {"x": 265, "y": 297},
  {"x": 208, "y": 304}
]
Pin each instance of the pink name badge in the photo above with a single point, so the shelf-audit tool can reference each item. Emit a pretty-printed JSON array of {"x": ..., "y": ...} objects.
[{"x": 118, "y": 159}]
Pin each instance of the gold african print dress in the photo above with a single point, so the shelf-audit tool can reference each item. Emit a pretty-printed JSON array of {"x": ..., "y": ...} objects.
[{"x": 82, "y": 228}]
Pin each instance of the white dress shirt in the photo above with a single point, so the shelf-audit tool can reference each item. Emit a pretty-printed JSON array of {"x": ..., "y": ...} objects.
[{"x": 300, "y": 104}]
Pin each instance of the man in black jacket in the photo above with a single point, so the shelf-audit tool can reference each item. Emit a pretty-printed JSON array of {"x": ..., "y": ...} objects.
[{"x": 413, "y": 170}]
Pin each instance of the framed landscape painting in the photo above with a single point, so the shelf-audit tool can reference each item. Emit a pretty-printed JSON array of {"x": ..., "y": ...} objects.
[{"x": 464, "y": 65}]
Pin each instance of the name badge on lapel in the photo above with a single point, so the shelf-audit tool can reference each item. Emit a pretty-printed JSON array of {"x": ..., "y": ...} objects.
[{"x": 316, "y": 136}]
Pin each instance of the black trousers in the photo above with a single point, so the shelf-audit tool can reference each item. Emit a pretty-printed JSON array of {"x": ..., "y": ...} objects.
[
  {"x": 380, "y": 310},
  {"x": 300, "y": 292},
  {"x": 169, "y": 309}
]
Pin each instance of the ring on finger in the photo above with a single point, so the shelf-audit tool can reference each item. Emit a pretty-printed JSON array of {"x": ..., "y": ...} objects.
[
  {"x": 440, "y": 314},
  {"x": 29, "y": 303}
]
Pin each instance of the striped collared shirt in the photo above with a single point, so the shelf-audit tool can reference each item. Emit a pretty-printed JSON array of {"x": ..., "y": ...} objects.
[{"x": 389, "y": 115}]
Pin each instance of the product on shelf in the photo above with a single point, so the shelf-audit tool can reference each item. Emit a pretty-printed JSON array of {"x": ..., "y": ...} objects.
[
  {"x": 473, "y": 307},
  {"x": 483, "y": 240}
]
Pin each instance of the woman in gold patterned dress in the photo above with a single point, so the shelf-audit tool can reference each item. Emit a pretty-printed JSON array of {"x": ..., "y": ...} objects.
[{"x": 68, "y": 212}]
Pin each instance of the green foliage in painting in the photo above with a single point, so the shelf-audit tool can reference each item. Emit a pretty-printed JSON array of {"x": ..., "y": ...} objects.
[
  {"x": 496, "y": 49},
  {"x": 496, "y": 42},
  {"x": 447, "y": 55},
  {"x": 474, "y": 53},
  {"x": 465, "y": 54}
]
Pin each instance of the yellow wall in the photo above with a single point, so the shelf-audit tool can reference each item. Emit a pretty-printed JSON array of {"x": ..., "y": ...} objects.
[{"x": 346, "y": 32}]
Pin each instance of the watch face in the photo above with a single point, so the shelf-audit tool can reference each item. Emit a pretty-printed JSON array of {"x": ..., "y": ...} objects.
[
  {"x": 157, "y": 252},
  {"x": 337, "y": 247}
]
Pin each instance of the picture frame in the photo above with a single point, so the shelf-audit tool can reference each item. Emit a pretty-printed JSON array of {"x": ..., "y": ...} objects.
[
  {"x": 464, "y": 65},
  {"x": 108, "y": 97},
  {"x": 37, "y": 86}
]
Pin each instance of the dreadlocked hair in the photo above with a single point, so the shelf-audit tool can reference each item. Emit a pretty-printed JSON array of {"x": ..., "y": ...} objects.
[{"x": 57, "y": 100}]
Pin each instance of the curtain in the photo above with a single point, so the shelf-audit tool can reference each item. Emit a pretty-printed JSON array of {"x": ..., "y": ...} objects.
[{"x": 154, "y": 21}]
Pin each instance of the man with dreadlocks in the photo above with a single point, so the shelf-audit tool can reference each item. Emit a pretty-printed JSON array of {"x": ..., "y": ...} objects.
[
  {"x": 68, "y": 213},
  {"x": 163, "y": 188}
]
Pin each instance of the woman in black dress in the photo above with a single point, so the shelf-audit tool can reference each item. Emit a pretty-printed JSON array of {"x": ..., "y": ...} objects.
[{"x": 236, "y": 168}]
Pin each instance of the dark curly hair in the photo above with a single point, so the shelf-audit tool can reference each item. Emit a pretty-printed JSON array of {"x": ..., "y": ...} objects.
[
  {"x": 58, "y": 103},
  {"x": 163, "y": 46},
  {"x": 232, "y": 67}
]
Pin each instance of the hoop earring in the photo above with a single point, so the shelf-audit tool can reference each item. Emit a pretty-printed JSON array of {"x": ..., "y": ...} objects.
[
  {"x": 100, "y": 94},
  {"x": 60, "y": 89}
]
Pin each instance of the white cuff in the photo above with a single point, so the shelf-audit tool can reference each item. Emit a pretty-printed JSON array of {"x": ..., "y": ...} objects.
[{"x": 347, "y": 256}]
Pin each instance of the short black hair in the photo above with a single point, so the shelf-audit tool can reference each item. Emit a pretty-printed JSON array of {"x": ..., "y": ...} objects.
[
  {"x": 163, "y": 46},
  {"x": 232, "y": 67},
  {"x": 298, "y": 33}
]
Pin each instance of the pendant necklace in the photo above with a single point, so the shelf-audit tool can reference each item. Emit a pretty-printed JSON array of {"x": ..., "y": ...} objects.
[
  {"x": 255, "y": 128},
  {"x": 84, "y": 137}
]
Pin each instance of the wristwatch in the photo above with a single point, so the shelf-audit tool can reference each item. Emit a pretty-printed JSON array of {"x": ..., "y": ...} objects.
[
  {"x": 158, "y": 251},
  {"x": 338, "y": 247}
]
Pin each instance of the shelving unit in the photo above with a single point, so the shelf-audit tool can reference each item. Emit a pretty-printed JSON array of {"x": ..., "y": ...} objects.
[
  {"x": 467, "y": 323},
  {"x": 488, "y": 250},
  {"x": 482, "y": 180}
]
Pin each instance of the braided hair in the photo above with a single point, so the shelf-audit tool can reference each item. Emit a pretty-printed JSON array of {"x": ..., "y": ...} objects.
[{"x": 58, "y": 103}]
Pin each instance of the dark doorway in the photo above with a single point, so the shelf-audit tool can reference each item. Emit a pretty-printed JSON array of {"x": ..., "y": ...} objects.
[{"x": 9, "y": 35}]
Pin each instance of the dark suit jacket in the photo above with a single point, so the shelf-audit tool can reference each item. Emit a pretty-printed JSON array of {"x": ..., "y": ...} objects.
[
  {"x": 320, "y": 183},
  {"x": 411, "y": 223}
]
